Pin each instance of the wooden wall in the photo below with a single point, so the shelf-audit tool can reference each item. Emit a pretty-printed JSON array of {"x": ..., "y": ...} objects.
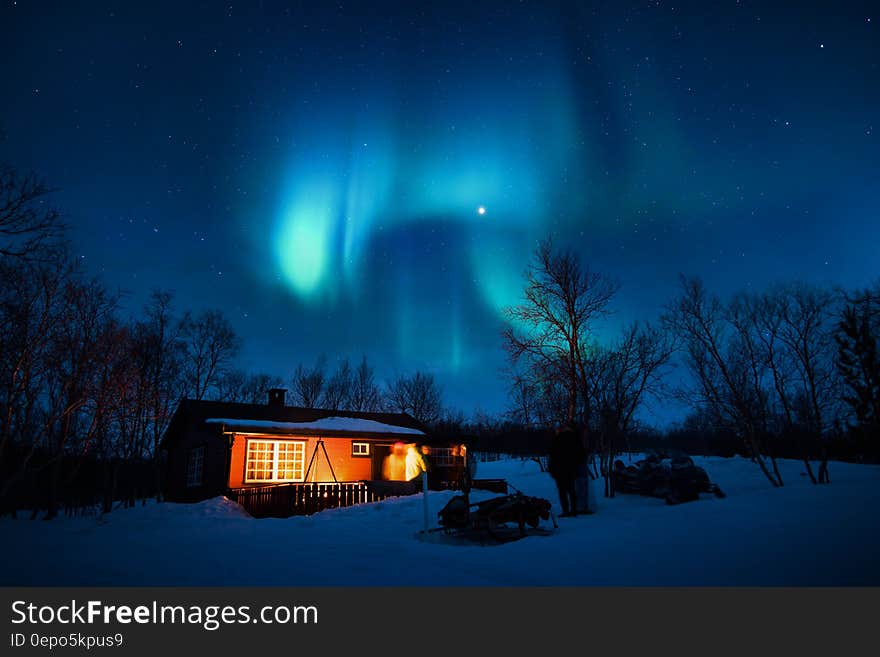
[{"x": 345, "y": 466}]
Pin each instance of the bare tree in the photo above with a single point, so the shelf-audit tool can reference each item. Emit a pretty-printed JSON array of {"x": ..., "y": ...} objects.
[
  {"x": 125, "y": 413},
  {"x": 793, "y": 328},
  {"x": 858, "y": 360},
  {"x": 308, "y": 384},
  {"x": 397, "y": 395},
  {"x": 621, "y": 378},
  {"x": 754, "y": 367},
  {"x": 340, "y": 388},
  {"x": 240, "y": 387},
  {"x": 453, "y": 420},
  {"x": 76, "y": 352},
  {"x": 523, "y": 396},
  {"x": 160, "y": 340},
  {"x": 231, "y": 387},
  {"x": 257, "y": 387},
  {"x": 551, "y": 327},
  {"x": 365, "y": 394},
  {"x": 27, "y": 223},
  {"x": 551, "y": 389},
  {"x": 210, "y": 344},
  {"x": 30, "y": 297},
  {"x": 721, "y": 364},
  {"x": 417, "y": 395}
]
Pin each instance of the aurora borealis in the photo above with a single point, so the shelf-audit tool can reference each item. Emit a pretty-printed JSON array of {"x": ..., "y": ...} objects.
[
  {"x": 484, "y": 165},
  {"x": 317, "y": 170}
]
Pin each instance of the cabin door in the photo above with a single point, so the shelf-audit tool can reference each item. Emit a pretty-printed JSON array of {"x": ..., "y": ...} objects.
[{"x": 379, "y": 454}]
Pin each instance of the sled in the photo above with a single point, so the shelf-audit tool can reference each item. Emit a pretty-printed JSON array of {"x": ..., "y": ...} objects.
[{"x": 503, "y": 518}]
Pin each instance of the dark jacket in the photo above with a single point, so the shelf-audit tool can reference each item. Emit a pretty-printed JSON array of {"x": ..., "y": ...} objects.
[{"x": 567, "y": 454}]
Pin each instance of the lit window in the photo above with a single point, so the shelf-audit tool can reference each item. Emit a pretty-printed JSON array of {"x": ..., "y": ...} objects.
[
  {"x": 275, "y": 460},
  {"x": 360, "y": 449},
  {"x": 195, "y": 466}
]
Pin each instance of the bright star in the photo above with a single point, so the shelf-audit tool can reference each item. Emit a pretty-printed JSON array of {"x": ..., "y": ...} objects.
[{"x": 481, "y": 210}]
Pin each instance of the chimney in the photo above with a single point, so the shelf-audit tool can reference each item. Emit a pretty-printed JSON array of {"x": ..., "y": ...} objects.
[{"x": 276, "y": 397}]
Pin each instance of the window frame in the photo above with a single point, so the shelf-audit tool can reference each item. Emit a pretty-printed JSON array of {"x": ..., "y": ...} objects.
[
  {"x": 275, "y": 442},
  {"x": 445, "y": 457},
  {"x": 361, "y": 455},
  {"x": 195, "y": 455}
]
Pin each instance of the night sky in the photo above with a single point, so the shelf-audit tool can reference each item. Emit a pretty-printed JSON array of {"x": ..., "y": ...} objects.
[{"x": 370, "y": 178}]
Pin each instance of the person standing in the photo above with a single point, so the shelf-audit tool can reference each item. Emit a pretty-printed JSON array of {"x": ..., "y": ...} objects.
[{"x": 567, "y": 456}]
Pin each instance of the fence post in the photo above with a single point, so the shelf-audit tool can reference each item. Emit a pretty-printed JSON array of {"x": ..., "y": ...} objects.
[{"x": 425, "y": 498}]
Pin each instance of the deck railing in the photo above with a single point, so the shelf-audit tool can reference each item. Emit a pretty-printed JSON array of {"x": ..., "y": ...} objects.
[{"x": 299, "y": 499}]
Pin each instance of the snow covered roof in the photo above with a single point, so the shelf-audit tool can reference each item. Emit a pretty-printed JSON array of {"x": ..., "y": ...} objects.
[
  {"x": 191, "y": 415},
  {"x": 333, "y": 423}
]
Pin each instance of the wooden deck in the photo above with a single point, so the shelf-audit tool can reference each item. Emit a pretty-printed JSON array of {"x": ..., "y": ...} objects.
[{"x": 301, "y": 499}]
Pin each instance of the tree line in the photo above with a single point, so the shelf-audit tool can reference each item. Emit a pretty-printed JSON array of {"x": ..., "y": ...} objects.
[
  {"x": 356, "y": 389},
  {"x": 86, "y": 393},
  {"x": 795, "y": 365}
]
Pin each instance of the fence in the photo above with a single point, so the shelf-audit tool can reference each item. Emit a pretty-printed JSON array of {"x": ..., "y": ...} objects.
[
  {"x": 283, "y": 500},
  {"x": 71, "y": 485}
]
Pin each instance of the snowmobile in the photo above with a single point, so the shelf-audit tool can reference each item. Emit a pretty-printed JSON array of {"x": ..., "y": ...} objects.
[
  {"x": 670, "y": 476},
  {"x": 502, "y": 518}
]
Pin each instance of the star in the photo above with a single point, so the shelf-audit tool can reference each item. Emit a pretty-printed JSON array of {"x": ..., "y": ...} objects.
[{"x": 481, "y": 210}]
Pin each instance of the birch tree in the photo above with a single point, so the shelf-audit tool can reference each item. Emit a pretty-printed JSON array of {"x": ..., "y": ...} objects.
[
  {"x": 719, "y": 362},
  {"x": 550, "y": 328}
]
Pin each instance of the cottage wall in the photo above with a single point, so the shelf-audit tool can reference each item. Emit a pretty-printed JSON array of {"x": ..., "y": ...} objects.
[
  {"x": 214, "y": 466},
  {"x": 345, "y": 466},
  {"x": 198, "y": 424}
]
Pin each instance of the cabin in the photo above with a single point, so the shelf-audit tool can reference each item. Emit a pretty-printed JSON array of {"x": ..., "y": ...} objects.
[{"x": 279, "y": 460}]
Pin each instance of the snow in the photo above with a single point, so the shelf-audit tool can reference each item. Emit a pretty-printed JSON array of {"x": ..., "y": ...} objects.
[
  {"x": 757, "y": 536},
  {"x": 324, "y": 424}
]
